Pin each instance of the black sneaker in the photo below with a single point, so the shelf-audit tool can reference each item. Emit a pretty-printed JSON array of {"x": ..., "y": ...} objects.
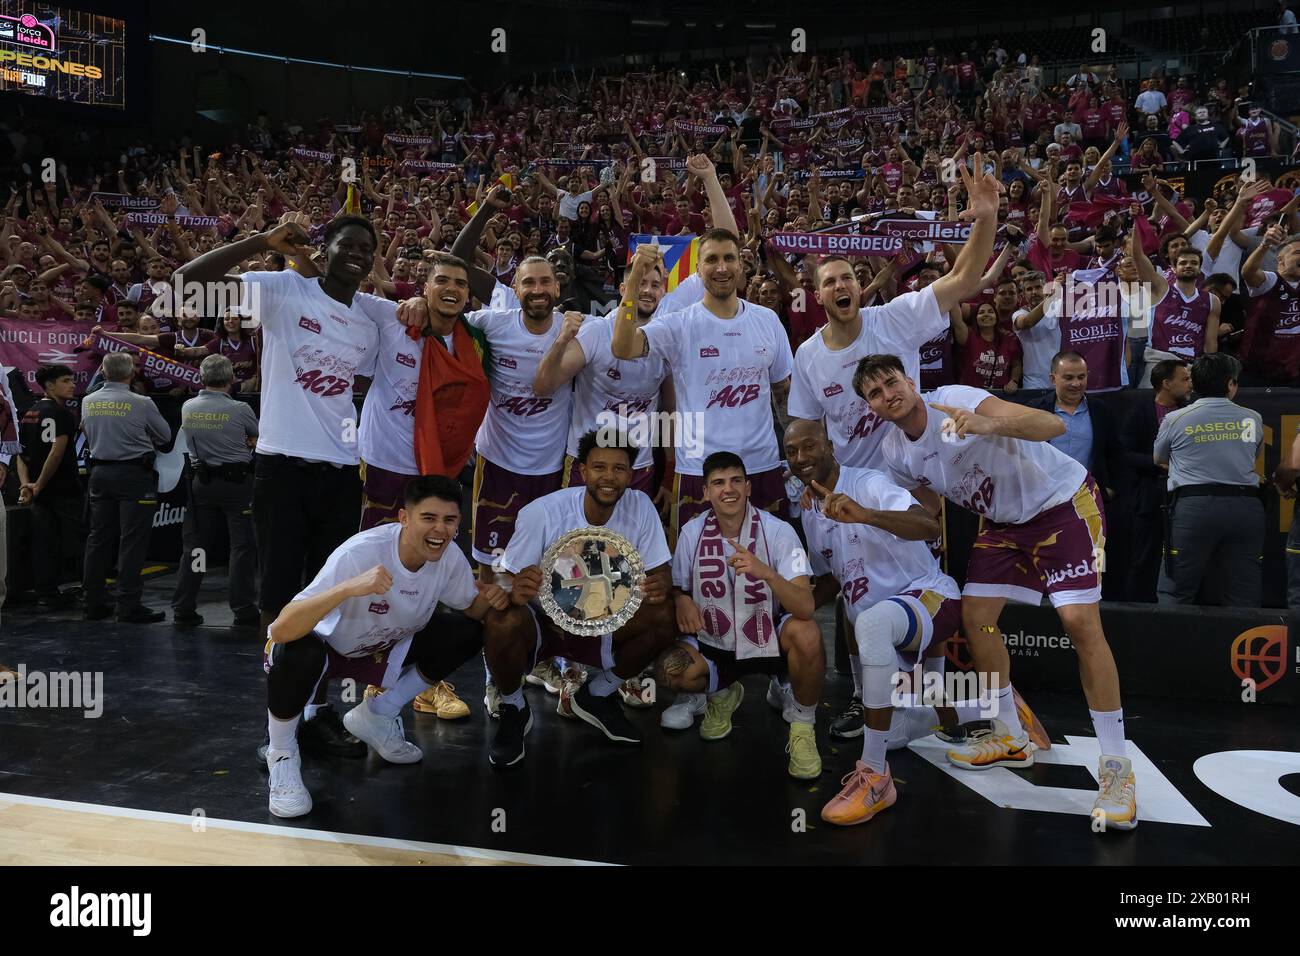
[
  {"x": 325, "y": 736},
  {"x": 507, "y": 747},
  {"x": 605, "y": 714},
  {"x": 962, "y": 733},
  {"x": 850, "y": 723},
  {"x": 140, "y": 614},
  {"x": 187, "y": 618}
]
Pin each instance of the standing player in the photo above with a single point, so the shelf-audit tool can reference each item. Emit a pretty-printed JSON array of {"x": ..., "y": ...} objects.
[
  {"x": 517, "y": 637},
  {"x": 1042, "y": 529},
  {"x": 728, "y": 358},
  {"x": 822, "y": 384},
  {"x": 369, "y": 615},
  {"x": 743, "y": 594},
  {"x": 866, "y": 535}
]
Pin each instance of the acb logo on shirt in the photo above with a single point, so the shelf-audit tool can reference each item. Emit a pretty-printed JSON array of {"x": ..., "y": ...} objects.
[{"x": 733, "y": 396}]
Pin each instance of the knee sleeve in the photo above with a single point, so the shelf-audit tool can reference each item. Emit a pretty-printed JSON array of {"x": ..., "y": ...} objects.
[
  {"x": 296, "y": 669},
  {"x": 879, "y": 631}
]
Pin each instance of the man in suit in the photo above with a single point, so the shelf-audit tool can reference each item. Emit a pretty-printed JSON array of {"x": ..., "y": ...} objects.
[
  {"x": 1144, "y": 481},
  {"x": 1090, "y": 439}
]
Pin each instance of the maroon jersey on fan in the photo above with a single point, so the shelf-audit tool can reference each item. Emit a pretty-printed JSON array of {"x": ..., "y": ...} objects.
[
  {"x": 1092, "y": 123},
  {"x": 988, "y": 364},
  {"x": 1040, "y": 256},
  {"x": 1178, "y": 325},
  {"x": 1115, "y": 112},
  {"x": 936, "y": 362},
  {"x": 1271, "y": 346},
  {"x": 1109, "y": 185},
  {"x": 1254, "y": 138},
  {"x": 242, "y": 355}
]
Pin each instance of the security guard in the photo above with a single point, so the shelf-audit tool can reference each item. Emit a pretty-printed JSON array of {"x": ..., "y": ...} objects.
[
  {"x": 220, "y": 432},
  {"x": 123, "y": 430},
  {"x": 1215, "y": 515}
]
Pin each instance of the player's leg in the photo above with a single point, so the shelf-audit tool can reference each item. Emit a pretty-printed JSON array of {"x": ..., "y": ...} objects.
[
  {"x": 510, "y": 641},
  {"x": 292, "y": 672},
  {"x": 633, "y": 646},
  {"x": 682, "y": 669},
  {"x": 446, "y": 642},
  {"x": 849, "y": 724},
  {"x": 801, "y": 645}
]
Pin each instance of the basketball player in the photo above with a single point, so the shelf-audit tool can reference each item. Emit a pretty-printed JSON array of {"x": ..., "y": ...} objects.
[
  {"x": 1042, "y": 529},
  {"x": 728, "y": 357},
  {"x": 743, "y": 594},
  {"x": 866, "y": 536},
  {"x": 369, "y": 615},
  {"x": 516, "y": 637}
]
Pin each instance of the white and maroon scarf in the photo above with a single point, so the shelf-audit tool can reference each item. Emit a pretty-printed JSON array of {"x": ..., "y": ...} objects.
[{"x": 738, "y": 615}]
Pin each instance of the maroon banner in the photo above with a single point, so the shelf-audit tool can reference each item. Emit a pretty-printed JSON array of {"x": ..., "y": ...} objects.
[
  {"x": 162, "y": 371},
  {"x": 27, "y": 346}
]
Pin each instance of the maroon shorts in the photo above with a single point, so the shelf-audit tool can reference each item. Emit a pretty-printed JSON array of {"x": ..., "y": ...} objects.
[
  {"x": 937, "y": 619},
  {"x": 382, "y": 495},
  {"x": 1060, "y": 553},
  {"x": 499, "y": 494},
  {"x": 381, "y": 668},
  {"x": 552, "y": 641},
  {"x": 766, "y": 492},
  {"x": 642, "y": 478}
]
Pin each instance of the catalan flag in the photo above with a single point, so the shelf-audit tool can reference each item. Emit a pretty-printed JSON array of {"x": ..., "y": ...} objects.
[
  {"x": 352, "y": 207},
  {"x": 505, "y": 179},
  {"x": 681, "y": 254}
]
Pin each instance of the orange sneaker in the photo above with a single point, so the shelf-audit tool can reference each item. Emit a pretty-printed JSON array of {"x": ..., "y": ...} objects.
[
  {"x": 441, "y": 699},
  {"x": 993, "y": 748},
  {"x": 865, "y": 794},
  {"x": 1033, "y": 726}
]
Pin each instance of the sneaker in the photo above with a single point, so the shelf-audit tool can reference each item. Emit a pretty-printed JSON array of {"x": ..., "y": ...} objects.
[
  {"x": 507, "y": 747},
  {"x": 247, "y": 619},
  {"x": 385, "y": 734},
  {"x": 852, "y": 722},
  {"x": 573, "y": 678},
  {"x": 492, "y": 701},
  {"x": 325, "y": 736},
  {"x": 964, "y": 733},
  {"x": 805, "y": 761},
  {"x": 441, "y": 700},
  {"x": 547, "y": 675},
  {"x": 605, "y": 714},
  {"x": 1116, "y": 802},
  {"x": 1033, "y": 726},
  {"x": 289, "y": 798},
  {"x": 187, "y": 618},
  {"x": 717, "y": 714},
  {"x": 865, "y": 794},
  {"x": 995, "y": 748},
  {"x": 778, "y": 696},
  {"x": 681, "y": 715},
  {"x": 637, "y": 693}
]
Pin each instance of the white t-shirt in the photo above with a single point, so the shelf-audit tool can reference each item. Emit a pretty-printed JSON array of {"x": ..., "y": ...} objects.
[
  {"x": 785, "y": 553},
  {"x": 1006, "y": 480},
  {"x": 689, "y": 291},
  {"x": 1229, "y": 258},
  {"x": 521, "y": 432},
  {"x": 724, "y": 369},
  {"x": 312, "y": 349},
  {"x": 569, "y": 202},
  {"x": 871, "y": 564},
  {"x": 1151, "y": 101},
  {"x": 1039, "y": 343},
  {"x": 376, "y": 622},
  {"x": 822, "y": 384},
  {"x": 542, "y": 522},
  {"x": 628, "y": 388},
  {"x": 387, "y": 433},
  {"x": 504, "y": 299}
]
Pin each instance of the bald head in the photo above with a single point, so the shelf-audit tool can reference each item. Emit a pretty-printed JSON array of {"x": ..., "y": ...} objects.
[{"x": 808, "y": 451}]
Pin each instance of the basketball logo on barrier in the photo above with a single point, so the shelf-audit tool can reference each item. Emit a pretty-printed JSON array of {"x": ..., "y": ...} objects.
[
  {"x": 1262, "y": 646},
  {"x": 1279, "y": 50}
]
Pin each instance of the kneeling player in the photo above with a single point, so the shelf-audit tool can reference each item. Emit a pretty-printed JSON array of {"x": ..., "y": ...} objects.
[
  {"x": 369, "y": 615},
  {"x": 522, "y": 634},
  {"x": 737, "y": 570}
]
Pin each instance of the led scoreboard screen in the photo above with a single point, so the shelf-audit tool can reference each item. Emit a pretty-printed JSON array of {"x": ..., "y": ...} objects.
[{"x": 62, "y": 54}]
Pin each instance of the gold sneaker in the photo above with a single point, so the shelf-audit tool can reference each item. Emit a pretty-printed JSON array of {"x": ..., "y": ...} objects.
[
  {"x": 441, "y": 699},
  {"x": 717, "y": 712}
]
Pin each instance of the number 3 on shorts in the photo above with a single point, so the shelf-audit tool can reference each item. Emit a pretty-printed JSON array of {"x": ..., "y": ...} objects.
[{"x": 492, "y": 539}]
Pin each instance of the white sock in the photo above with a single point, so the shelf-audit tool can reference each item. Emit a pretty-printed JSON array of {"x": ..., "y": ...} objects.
[
  {"x": 409, "y": 686},
  {"x": 283, "y": 733},
  {"x": 309, "y": 711},
  {"x": 1007, "y": 712},
  {"x": 603, "y": 683},
  {"x": 855, "y": 668},
  {"x": 801, "y": 713},
  {"x": 967, "y": 713},
  {"x": 516, "y": 699},
  {"x": 874, "y": 744},
  {"x": 1109, "y": 727}
]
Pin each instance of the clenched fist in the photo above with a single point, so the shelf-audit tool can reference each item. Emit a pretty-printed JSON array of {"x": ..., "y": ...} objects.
[{"x": 375, "y": 581}]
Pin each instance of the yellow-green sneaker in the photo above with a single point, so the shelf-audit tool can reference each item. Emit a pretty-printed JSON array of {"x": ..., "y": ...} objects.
[
  {"x": 717, "y": 713},
  {"x": 805, "y": 761}
]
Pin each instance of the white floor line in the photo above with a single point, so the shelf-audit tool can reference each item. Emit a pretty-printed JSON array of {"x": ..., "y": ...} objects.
[{"x": 326, "y": 836}]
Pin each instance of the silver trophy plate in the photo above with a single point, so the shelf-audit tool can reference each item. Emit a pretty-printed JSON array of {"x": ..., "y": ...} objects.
[{"x": 592, "y": 581}]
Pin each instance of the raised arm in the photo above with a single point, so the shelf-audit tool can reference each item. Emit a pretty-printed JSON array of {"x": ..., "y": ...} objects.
[
  {"x": 481, "y": 283},
  {"x": 563, "y": 360},
  {"x": 994, "y": 416},
  {"x": 629, "y": 340},
  {"x": 964, "y": 279}
]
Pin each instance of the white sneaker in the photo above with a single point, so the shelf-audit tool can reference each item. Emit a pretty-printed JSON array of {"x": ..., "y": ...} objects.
[
  {"x": 385, "y": 734},
  {"x": 289, "y": 798},
  {"x": 681, "y": 715},
  {"x": 1116, "y": 802},
  {"x": 546, "y": 675},
  {"x": 492, "y": 701},
  {"x": 779, "y": 697}
]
